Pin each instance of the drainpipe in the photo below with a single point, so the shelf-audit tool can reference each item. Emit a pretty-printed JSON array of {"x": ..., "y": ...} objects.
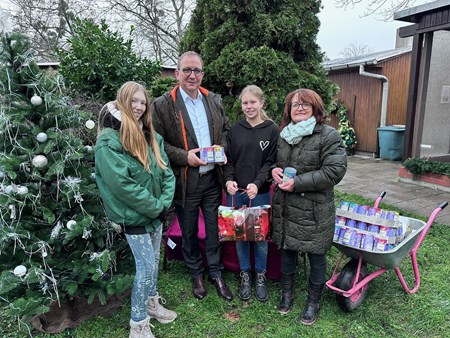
[{"x": 384, "y": 95}]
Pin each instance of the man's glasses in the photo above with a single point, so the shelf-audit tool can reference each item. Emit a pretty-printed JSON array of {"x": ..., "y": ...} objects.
[
  {"x": 188, "y": 71},
  {"x": 296, "y": 105}
]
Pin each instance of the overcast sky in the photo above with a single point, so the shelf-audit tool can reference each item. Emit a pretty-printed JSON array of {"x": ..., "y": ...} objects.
[{"x": 340, "y": 28}]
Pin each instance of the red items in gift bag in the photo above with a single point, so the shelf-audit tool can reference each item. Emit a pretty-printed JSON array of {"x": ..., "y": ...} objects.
[{"x": 244, "y": 224}]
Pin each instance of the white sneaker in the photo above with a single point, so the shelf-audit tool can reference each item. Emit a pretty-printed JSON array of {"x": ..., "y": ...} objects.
[
  {"x": 141, "y": 329},
  {"x": 159, "y": 312}
]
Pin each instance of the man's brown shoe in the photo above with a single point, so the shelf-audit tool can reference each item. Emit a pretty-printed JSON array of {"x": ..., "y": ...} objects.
[
  {"x": 198, "y": 287},
  {"x": 222, "y": 289}
]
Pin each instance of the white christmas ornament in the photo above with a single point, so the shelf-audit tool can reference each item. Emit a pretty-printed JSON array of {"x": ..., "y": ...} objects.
[
  {"x": 8, "y": 189},
  {"x": 20, "y": 270},
  {"x": 2, "y": 175},
  {"x": 70, "y": 224},
  {"x": 13, "y": 211},
  {"x": 36, "y": 100},
  {"x": 88, "y": 149},
  {"x": 39, "y": 161},
  {"x": 21, "y": 190},
  {"x": 90, "y": 124},
  {"x": 41, "y": 137}
]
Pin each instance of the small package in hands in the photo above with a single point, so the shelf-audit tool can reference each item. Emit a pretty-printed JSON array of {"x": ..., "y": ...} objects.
[{"x": 212, "y": 154}]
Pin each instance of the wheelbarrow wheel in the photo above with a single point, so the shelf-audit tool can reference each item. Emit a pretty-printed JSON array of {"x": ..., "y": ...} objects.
[{"x": 345, "y": 282}]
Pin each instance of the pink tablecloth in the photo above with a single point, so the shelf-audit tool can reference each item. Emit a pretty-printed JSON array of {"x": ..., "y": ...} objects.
[{"x": 229, "y": 257}]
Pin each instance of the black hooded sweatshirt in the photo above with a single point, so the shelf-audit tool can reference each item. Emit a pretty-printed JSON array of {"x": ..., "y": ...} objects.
[{"x": 251, "y": 152}]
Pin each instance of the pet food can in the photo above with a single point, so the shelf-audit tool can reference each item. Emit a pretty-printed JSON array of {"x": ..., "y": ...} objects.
[
  {"x": 353, "y": 207},
  {"x": 344, "y": 205},
  {"x": 351, "y": 223},
  {"x": 337, "y": 230},
  {"x": 373, "y": 228},
  {"x": 361, "y": 225},
  {"x": 367, "y": 242},
  {"x": 363, "y": 209}
]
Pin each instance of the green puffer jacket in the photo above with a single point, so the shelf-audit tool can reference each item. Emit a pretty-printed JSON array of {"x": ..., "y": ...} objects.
[
  {"x": 303, "y": 220},
  {"x": 131, "y": 195}
]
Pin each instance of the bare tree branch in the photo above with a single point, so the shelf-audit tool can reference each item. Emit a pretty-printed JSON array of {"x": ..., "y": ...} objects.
[
  {"x": 48, "y": 23},
  {"x": 162, "y": 22},
  {"x": 355, "y": 49},
  {"x": 385, "y": 9}
]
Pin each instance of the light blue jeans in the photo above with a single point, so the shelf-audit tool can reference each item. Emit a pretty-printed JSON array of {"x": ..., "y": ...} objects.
[
  {"x": 145, "y": 249},
  {"x": 243, "y": 247}
]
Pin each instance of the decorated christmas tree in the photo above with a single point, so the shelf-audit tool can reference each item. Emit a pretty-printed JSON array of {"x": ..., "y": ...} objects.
[{"x": 55, "y": 242}]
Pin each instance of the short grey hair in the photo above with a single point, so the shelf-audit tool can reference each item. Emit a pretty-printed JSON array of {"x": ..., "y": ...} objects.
[{"x": 188, "y": 53}]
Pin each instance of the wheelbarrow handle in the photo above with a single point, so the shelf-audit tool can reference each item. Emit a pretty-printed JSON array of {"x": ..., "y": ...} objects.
[
  {"x": 425, "y": 230},
  {"x": 379, "y": 198}
]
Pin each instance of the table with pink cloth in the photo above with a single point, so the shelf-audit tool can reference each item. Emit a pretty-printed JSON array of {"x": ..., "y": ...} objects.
[{"x": 230, "y": 261}]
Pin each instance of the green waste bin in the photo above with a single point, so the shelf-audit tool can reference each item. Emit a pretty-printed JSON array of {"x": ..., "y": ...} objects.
[{"x": 390, "y": 141}]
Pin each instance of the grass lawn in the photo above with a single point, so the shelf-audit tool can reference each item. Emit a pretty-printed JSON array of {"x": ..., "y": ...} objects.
[{"x": 388, "y": 311}]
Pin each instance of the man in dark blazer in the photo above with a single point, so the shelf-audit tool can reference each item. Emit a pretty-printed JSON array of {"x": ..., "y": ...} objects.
[{"x": 189, "y": 117}]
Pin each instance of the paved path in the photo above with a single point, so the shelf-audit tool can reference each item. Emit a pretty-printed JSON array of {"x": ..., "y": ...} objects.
[{"x": 368, "y": 177}]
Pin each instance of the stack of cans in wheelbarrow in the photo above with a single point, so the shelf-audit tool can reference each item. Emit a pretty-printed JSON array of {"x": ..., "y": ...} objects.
[{"x": 368, "y": 228}]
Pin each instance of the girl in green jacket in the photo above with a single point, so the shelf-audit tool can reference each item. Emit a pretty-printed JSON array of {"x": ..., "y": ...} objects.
[{"x": 137, "y": 187}]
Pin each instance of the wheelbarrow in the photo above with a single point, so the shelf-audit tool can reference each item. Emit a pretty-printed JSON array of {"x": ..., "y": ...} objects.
[{"x": 351, "y": 283}]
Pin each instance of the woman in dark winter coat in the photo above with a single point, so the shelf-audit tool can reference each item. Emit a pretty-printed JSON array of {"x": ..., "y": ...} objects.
[
  {"x": 251, "y": 150},
  {"x": 303, "y": 206},
  {"x": 137, "y": 187}
]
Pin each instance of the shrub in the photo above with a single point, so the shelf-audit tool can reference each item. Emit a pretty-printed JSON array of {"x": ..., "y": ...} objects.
[
  {"x": 99, "y": 61},
  {"x": 345, "y": 128},
  {"x": 420, "y": 166}
]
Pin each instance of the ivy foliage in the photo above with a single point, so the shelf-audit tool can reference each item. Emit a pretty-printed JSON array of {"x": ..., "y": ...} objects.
[
  {"x": 271, "y": 44},
  {"x": 346, "y": 130},
  {"x": 420, "y": 166},
  {"x": 99, "y": 61}
]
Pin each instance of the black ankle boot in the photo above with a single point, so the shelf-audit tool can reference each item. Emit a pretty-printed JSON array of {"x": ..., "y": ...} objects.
[
  {"x": 245, "y": 289},
  {"x": 287, "y": 293},
  {"x": 261, "y": 289},
  {"x": 312, "y": 306}
]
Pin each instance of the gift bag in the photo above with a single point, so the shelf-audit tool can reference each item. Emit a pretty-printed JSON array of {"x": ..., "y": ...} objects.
[{"x": 244, "y": 224}]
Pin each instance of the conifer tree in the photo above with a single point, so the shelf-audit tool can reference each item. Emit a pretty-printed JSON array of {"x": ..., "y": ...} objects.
[
  {"x": 269, "y": 43},
  {"x": 55, "y": 242}
]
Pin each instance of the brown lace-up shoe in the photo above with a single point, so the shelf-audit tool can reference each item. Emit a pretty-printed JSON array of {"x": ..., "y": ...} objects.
[
  {"x": 198, "y": 287},
  {"x": 222, "y": 288}
]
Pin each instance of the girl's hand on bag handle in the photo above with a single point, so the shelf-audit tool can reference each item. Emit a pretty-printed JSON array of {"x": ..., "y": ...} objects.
[
  {"x": 252, "y": 190},
  {"x": 232, "y": 187}
]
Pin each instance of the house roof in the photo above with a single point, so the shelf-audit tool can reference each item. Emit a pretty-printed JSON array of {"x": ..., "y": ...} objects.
[
  {"x": 368, "y": 59},
  {"x": 411, "y": 14}
]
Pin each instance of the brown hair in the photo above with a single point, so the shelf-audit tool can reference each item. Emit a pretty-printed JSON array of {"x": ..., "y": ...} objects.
[
  {"x": 306, "y": 96},
  {"x": 131, "y": 134}
]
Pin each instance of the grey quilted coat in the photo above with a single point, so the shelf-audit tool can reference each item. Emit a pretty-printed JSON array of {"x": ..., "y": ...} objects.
[{"x": 303, "y": 220}]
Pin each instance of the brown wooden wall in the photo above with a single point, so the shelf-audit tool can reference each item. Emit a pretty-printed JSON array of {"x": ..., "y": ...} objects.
[
  {"x": 362, "y": 96},
  {"x": 397, "y": 71}
]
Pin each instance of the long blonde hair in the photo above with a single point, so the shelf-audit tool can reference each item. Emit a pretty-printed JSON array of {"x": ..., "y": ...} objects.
[
  {"x": 255, "y": 90},
  {"x": 131, "y": 133}
]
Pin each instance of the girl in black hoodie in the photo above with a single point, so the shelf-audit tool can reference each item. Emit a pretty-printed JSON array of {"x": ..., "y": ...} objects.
[{"x": 251, "y": 152}]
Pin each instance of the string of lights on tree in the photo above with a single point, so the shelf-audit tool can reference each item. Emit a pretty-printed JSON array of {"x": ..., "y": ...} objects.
[{"x": 55, "y": 242}]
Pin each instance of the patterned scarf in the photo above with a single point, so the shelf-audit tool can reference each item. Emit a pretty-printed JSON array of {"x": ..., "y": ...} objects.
[{"x": 294, "y": 132}]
